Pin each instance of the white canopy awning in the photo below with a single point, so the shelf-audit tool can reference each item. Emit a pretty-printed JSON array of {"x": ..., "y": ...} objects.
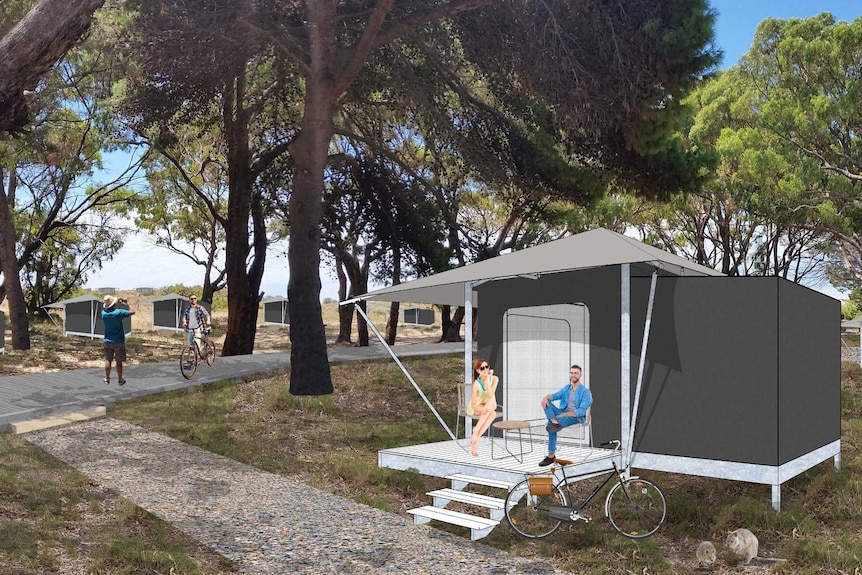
[{"x": 595, "y": 248}]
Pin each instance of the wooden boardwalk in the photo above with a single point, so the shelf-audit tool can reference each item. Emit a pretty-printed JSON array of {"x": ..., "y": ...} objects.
[{"x": 25, "y": 397}]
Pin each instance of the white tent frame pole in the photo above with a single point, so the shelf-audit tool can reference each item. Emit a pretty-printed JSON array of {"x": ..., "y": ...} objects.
[
  {"x": 468, "y": 350},
  {"x": 404, "y": 370},
  {"x": 625, "y": 354},
  {"x": 644, "y": 343}
]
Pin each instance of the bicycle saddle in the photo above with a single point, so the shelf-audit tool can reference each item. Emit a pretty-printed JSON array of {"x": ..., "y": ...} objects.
[{"x": 563, "y": 462}]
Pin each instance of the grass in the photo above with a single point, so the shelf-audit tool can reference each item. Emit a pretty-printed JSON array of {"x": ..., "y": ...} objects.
[
  {"x": 51, "y": 516},
  {"x": 331, "y": 442}
]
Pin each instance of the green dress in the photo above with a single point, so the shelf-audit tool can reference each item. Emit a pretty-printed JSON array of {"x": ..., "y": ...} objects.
[{"x": 483, "y": 395}]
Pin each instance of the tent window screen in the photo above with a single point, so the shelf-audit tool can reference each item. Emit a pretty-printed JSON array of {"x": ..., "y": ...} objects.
[{"x": 540, "y": 345}]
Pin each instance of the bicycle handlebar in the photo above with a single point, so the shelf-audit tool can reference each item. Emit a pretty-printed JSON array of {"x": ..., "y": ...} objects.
[{"x": 615, "y": 442}]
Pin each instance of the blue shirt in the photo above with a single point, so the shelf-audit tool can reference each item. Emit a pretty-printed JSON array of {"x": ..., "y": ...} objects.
[
  {"x": 578, "y": 400},
  {"x": 113, "y": 320}
]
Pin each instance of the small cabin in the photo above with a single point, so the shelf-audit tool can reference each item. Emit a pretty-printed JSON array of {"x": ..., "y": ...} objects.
[
  {"x": 82, "y": 316},
  {"x": 275, "y": 311},
  {"x": 167, "y": 311},
  {"x": 418, "y": 316}
]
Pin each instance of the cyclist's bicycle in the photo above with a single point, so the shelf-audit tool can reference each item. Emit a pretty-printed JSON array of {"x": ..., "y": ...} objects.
[
  {"x": 537, "y": 506},
  {"x": 193, "y": 353}
]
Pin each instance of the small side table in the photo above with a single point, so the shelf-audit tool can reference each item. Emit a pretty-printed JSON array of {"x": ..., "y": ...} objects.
[{"x": 509, "y": 426}]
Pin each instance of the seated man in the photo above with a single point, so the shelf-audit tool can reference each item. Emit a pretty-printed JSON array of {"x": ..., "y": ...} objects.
[{"x": 574, "y": 400}]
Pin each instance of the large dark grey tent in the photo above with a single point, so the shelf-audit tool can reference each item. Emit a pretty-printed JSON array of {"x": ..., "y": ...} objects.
[
  {"x": 275, "y": 311},
  {"x": 2, "y": 332},
  {"x": 83, "y": 316},
  {"x": 728, "y": 377}
]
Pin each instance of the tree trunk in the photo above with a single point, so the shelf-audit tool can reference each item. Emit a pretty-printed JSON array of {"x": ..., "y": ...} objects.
[
  {"x": 309, "y": 372},
  {"x": 453, "y": 333},
  {"x": 445, "y": 322},
  {"x": 360, "y": 285},
  {"x": 362, "y": 325},
  {"x": 392, "y": 322},
  {"x": 394, "y": 307},
  {"x": 30, "y": 49},
  {"x": 345, "y": 312},
  {"x": 243, "y": 283},
  {"x": 11, "y": 280}
]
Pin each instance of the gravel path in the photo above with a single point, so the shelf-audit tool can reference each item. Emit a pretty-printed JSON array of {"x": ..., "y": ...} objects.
[{"x": 266, "y": 523}]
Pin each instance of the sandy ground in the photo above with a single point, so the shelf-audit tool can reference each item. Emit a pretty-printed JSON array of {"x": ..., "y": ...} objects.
[{"x": 52, "y": 351}]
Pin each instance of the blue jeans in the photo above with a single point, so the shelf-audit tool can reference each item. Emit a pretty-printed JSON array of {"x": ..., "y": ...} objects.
[{"x": 553, "y": 411}]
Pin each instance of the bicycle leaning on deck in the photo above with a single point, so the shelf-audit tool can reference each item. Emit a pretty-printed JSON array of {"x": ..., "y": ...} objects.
[
  {"x": 194, "y": 352},
  {"x": 537, "y": 506}
]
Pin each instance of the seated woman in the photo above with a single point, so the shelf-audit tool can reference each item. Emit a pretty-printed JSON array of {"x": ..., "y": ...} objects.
[{"x": 483, "y": 402}]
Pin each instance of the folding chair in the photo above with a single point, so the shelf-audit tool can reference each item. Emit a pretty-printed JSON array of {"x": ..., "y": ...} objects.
[{"x": 464, "y": 392}]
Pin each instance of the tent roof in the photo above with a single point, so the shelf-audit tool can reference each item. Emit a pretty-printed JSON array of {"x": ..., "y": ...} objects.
[
  {"x": 81, "y": 298},
  {"x": 272, "y": 299},
  {"x": 855, "y": 323},
  {"x": 166, "y": 297},
  {"x": 595, "y": 248}
]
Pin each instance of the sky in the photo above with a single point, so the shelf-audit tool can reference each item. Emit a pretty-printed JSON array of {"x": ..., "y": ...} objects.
[{"x": 140, "y": 263}]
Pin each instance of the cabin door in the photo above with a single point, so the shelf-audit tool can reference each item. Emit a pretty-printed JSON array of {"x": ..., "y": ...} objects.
[{"x": 540, "y": 344}]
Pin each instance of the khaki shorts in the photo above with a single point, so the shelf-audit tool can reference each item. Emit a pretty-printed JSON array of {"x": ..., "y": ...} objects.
[{"x": 115, "y": 351}]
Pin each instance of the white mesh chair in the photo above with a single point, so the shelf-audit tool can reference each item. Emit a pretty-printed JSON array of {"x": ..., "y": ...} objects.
[{"x": 580, "y": 433}]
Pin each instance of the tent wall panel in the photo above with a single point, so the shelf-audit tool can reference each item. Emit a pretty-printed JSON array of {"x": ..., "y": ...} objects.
[
  {"x": 79, "y": 317},
  {"x": 714, "y": 397},
  {"x": 594, "y": 288},
  {"x": 2, "y": 330},
  {"x": 276, "y": 312},
  {"x": 809, "y": 393},
  {"x": 166, "y": 313}
]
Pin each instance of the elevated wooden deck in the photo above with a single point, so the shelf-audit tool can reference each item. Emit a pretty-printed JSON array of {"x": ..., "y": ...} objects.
[{"x": 445, "y": 458}]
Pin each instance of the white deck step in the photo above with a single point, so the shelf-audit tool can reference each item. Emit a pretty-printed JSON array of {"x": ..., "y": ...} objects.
[
  {"x": 495, "y": 505},
  {"x": 459, "y": 481},
  {"x": 479, "y": 526}
]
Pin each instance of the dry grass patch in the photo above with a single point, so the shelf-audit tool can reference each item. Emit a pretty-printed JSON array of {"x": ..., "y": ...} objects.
[
  {"x": 54, "y": 520},
  {"x": 331, "y": 442}
]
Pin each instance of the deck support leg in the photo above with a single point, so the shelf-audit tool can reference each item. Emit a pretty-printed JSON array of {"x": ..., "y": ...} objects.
[
  {"x": 837, "y": 461},
  {"x": 776, "y": 497}
]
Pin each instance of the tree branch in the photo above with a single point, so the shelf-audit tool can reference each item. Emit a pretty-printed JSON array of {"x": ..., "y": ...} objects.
[
  {"x": 364, "y": 47},
  {"x": 415, "y": 20},
  {"x": 32, "y": 47}
]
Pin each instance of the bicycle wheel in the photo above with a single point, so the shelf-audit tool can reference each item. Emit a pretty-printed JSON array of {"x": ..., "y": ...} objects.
[
  {"x": 528, "y": 514},
  {"x": 636, "y": 508},
  {"x": 209, "y": 352},
  {"x": 188, "y": 362}
]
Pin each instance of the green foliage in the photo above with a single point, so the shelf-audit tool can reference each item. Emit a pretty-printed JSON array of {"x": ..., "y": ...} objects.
[{"x": 849, "y": 309}]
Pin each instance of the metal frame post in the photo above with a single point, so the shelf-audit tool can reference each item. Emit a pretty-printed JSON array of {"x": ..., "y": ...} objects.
[
  {"x": 639, "y": 383},
  {"x": 625, "y": 354},
  {"x": 468, "y": 349}
]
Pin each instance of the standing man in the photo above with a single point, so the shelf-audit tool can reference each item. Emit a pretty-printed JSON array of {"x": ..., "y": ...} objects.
[
  {"x": 115, "y": 336},
  {"x": 575, "y": 400},
  {"x": 195, "y": 316}
]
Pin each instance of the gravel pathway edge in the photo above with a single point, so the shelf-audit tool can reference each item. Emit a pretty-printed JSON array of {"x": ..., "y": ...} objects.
[{"x": 266, "y": 523}]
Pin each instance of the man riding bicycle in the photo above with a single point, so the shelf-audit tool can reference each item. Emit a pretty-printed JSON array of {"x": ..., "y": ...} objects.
[{"x": 195, "y": 316}]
